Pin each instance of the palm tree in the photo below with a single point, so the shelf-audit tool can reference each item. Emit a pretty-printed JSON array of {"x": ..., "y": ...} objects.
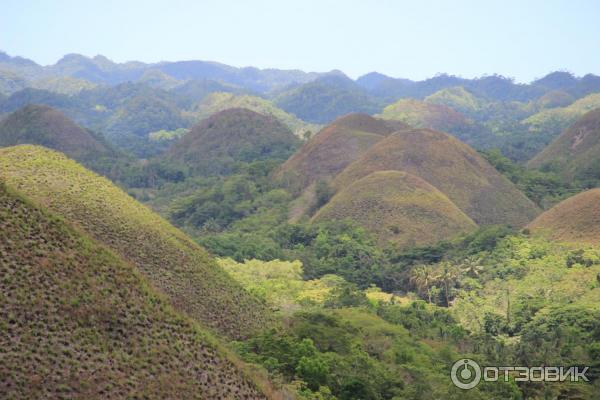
[
  {"x": 471, "y": 266},
  {"x": 448, "y": 275},
  {"x": 423, "y": 276}
]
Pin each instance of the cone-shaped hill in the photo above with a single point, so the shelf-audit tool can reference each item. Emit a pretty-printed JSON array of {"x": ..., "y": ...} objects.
[
  {"x": 170, "y": 260},
  {"x": 45, "y": 126},
  {"x": 333, "y": 148},
  {"x": 452, "y": 167},
  {"x": 216, "y": 144},
  {"x": 79, "y": 322},
  {"x": 576, "y": 219},
  {"x": 398, "y": 207},
  {"x": 576, "y": 152}
]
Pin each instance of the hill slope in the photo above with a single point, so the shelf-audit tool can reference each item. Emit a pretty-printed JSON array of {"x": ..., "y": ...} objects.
[
  {"x": 78, "y": 322},
  {"x": 431, "y": 115},
  {"x": 42, "y": 125},
  {"x": 220, "y": 101},
  {"x": 451, "y": 166},
  {"x": 327, "y": 98},
  {"x": 214, "y": 145},
  {"x": 576, "y": 219},
  {"x": 333, "y": 148},
  {"x": 575, "y": 153},
  {"x": 398, "y": 207},
  {"x": 171, "y": 261}
]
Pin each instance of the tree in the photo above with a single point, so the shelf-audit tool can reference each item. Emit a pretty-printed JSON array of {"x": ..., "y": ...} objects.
[
  {"x": 471, "y": 266},
  {"x": 448, "y": 276},
  {"x": 423, "y": 277}
]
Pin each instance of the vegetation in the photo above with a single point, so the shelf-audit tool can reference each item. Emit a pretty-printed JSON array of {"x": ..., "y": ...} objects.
[
  {"x": 78, "y": 321},
  {"x": 165, "y": 256},
  {"x": 398, "y": 207},
  {"x": 576, "y": 219},
  {"x": 545, "y": 188},
  {"x": 574, "y": 154},
  {"x": 432, "y": 115},
  {"x": 325, "y": 99},
  {"x": 215, "y": 145},
  {"x": 216, "y": 102},
  {"x": 453, "y": 168},
  {"x": 332, "y": 149}
]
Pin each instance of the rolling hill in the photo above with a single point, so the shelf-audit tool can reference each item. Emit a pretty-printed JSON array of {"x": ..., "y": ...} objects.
[
  {"x": 79, "y": 322},
  {"x": 398, "y": 207},
  {"x": 171, "y": 261},
  {"x": 215, "y": 145},
  {"x": 333, "y": 148},
  {"x": 45, "y": 126},
  {"x": 576, "y": 152},
  {"x": 451, "y": 166},
  {"x": 551, "y": 122},
  {"x": 428, "y": 114},
  {"x": 576, "y": 219},
  {"x": 327, "y": 98},
  {"x": 219, "y": 101}
]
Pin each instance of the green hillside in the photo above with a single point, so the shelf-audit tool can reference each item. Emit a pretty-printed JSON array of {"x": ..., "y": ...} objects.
[
  {"x": 451, "y": 166},
  {"x": 576, "y": 152},
  {"x": 398, "y": 207},
  {"x": 64, "y": 84},
  {"x": 236, "y": 135},
  {"x": 325, "y": 99},
  {"x": 165, "y": 256},
  {"x": 219, "y": 101},
  {"x": 553, "y": 121},
  {"x": 431, "y": 115},
  {"x": 457, "y": 98},
  {"x": 78, "y": 322}
]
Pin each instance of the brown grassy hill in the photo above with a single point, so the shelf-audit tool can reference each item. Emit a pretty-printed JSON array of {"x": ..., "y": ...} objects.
[
  {"x": 45, "y": 126},
  {"x": 576, "y": 219},
  {"x": 79, "y": 322},
  {"x": 170, "y": 260},
  {"x": 234, "y": 135},
  {"x": 333, "y": 148},
  {"x": 398, "y": 207},
  {"x": 451, "y": 166},
  {"x": 576, "y": 152}
]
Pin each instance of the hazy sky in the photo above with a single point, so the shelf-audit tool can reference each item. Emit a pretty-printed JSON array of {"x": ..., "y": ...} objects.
[{"x": 415, "y": 39}]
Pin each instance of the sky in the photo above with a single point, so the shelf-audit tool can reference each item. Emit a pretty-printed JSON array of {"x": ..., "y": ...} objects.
[{"x": 522, "y": 39}]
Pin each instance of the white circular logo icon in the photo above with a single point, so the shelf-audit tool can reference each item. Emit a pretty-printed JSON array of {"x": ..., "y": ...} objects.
[{"x": 465, "y": 374}]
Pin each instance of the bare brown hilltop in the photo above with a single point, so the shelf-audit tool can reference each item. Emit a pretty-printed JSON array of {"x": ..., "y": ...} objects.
[{"x": 451, "y": 166}]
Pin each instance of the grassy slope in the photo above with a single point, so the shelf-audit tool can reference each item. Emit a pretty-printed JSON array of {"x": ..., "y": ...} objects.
[
  {"x": 333, "y": 148},
  {"x": 576, "y": 219},
  {"x": 220, "y": 101},
  {"x": 576, "y": 148},
  {"x": 37, "y": 124},
  {"x": 457, "y": 98},
  {"x": 398, "y": 207},
  {"x": 557, "y": 119},
  {"x": 235, "y": 135},
  {"x": 78, "y": 322},
  {"x": 420, "y": 114},
  {"x": 168, "y": 258},
  {"x": 452, "y": 167}
]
